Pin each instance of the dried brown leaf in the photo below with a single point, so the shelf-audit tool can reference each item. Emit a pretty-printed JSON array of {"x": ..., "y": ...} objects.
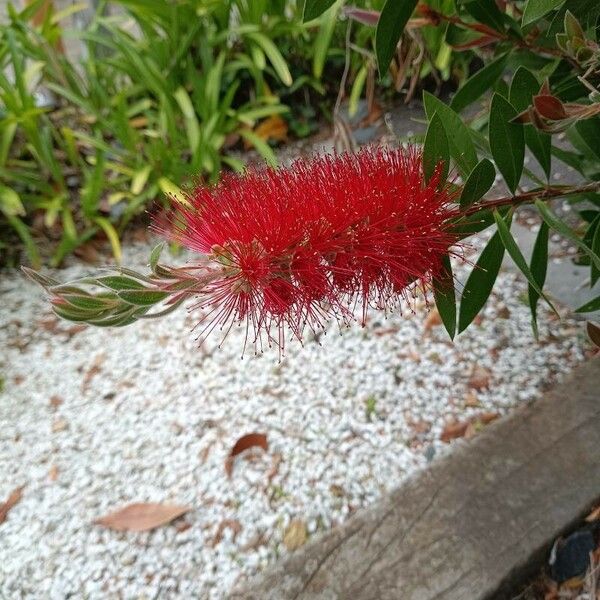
[
  {"x": 233, "y": 524},
  {"x": 594, "y": 515},
  {"x": 142, "y": 516},
  {"x": 467, "y": 428},
  {"x": 593, "y": 331},
  {"x": 272, "y": 128},
  {"x": 13, "y": 499},
  {"x": 53, "y": 473},
  {"x": 295, "y": 535},
  {"x": 55, "y": 401},
  {"x": 250, "y": 440},
  {"x": 59, "y": 425},
  {"x": 480, "y": 378}
]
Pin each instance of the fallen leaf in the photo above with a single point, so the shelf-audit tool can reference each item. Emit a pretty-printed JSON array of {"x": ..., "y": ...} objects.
[
  {"x": 432, "y": 320},
  {"x": 260, "y": 539},
  {"x": 467, "y": 428},
  {"x": 13, "y": 498},
  {"x": 454, "y": 430},
  {"x": 59, "y": 425},
  {"x": 53, "y": 473},
  {"x": 479, "y": 378},
  {"x": 183, "y": 526},
  {"x": 95, "y": 369},
  {"x": 232, "y": 524},
  {"x": 594, "y": 515},
  {"x": 420, "y": 426},
  {"x": 272, "y": 128},
  {"x": 277, "y": 459},
  {"x": 142, "y": 516},
  {"x": 295, "y": 535},
  {"x": 471, "y": 400},
  {"x": 250, "y": 440},
  {"x": 55, "y": 401},
  {"x": 593, "y": 331},
  {"x": 337, "y": 490}
]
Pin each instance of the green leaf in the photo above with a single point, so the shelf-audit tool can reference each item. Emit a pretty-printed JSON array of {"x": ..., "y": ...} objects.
[
  {"x": 356, "y": 91},
  {"x": 515, "y": 253},
  {"x": 263, "y": 148},
  {"x": 595, "y": 275},
  {"x": 392, "y": 20},
  {"x": 481, "y": 281},
  {"x": 538, "y": 267},
  {"x": 566, "y": 231},
  {"x": 119, "y": 282},
  {"x": 588, "y": 130},
  {"x": 155, "y": 255},
  {"x": 460, "y": 143},
  {"x": 192, "y": 127},
  {"x": 487, "y": 12},
  {"x": 314, "y": 8},
  {"x": 435, "y": 149},
  {"x": 536, "y": 9},
  {"x": 112, "y": 235},
  {"x": 23, "y": 232},
  {"x": 523, "y": 87},
  {"x": 323, "y": 41},
  {"x": 507, "y": 142},
  {"x": 445, "y": 296},
  {"x": 10, "y": 202},
  {"x": 275, "y": 57},
  {"x": 478, "y": 183},
  {"x": 142, "y": 297},
  {"x": 474, "y": 87},
  {"x": 590, "y": 306}
]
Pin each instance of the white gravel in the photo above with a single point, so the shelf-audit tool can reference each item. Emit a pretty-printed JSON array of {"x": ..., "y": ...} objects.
[{"x": 147, "y": 416}]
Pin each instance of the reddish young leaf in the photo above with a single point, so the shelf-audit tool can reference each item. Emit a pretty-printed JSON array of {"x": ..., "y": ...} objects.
[
  {"x": 14, "y": 498},
  {"x": 593, "y": 331},
  {"x": 142, "y": 516},
  {"x": 549, "y": 107},
  {"x": 250, "y": 440}
]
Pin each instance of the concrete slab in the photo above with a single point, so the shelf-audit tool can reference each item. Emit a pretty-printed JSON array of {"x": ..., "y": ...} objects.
[{"x": 471, "y": 525}]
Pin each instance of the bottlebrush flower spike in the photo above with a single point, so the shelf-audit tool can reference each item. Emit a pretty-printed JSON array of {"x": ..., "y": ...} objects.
[{"x": 291, "y": 248}]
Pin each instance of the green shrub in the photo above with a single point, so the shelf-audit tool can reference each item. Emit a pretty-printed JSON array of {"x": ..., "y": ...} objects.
[{"x": 159, "y": 95}]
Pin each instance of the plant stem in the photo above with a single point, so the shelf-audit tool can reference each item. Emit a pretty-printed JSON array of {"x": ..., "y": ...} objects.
[
  {"x": 488, "y": 31},
  {"x": 529, "y": 197}
]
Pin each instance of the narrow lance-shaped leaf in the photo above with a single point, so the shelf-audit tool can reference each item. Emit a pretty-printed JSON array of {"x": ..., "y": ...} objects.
[
  {"x": 507, "y": 142},
  {"x": 536, "y": 9},
  {"x": 515, "y": 253},
  {"x": 314, "y": 8},
  {"x": 435, "y": 149},
  {"x": 539, "y": 267},
  {"x": 523, "y": 87},
  {"x": 460, "y": 144},
  {"x": 595, "y": 274},
  {"x": 558, "y": 225},
  {"x": 591, "y": 306},
  {"x": 478, "y": 183},
  {"x": 445, "y": 297},
  {"x": 481, "y": 281},
  {"x": 393, "y": 19},
  {"x": 478, "y": 84}
]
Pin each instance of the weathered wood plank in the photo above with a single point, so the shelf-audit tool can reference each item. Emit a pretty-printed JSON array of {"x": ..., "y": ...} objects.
[{"x": 467, "y": 526}]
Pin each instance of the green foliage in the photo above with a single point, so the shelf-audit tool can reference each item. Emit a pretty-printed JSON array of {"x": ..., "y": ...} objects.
[
  {"x": 549, "y": 50},
  {"x": 86, "y": 145}
]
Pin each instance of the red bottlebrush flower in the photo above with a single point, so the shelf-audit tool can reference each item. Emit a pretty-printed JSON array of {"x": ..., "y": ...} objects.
[{"x": 290, "y": 248}]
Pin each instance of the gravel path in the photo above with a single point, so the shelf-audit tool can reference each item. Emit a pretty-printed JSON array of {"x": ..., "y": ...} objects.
[{"x": 93, "y": 419}]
